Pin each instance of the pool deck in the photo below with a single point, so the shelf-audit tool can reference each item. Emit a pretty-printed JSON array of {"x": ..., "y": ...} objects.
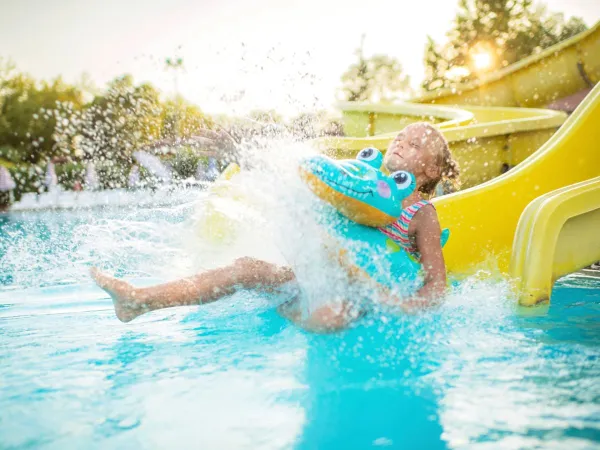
[{"x": 592, "y": 271}]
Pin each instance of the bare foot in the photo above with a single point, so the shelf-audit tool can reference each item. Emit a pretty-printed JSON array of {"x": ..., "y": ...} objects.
[{"x": 127, "y": 307}]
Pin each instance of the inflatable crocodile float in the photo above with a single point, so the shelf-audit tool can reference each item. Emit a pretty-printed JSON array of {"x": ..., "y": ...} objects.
[{"x": 364, "y": 198}]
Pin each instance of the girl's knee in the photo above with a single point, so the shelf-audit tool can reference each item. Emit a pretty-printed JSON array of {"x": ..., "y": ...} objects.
[
  {"x": 245, "y": 262},
  {"x": 253, "y": 264},
  {"x": 330, "y": 318},
  {"x": 251, "y": 272}
]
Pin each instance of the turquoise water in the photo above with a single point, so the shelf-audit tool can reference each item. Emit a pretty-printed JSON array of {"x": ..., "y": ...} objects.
[{"x": 233, "y": 374}]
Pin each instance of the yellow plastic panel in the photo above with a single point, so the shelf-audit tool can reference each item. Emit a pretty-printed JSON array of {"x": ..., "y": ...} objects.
[
  {"x": 483, "y": 219},
  {"x": 578, "y": 244},
  {"x": 356, "y": 123},
  {"x": 211, "y": 223},
  {"x": 522, "y": 145},
  {"x": 480, "y": 159},
  {"x": 589, "y": 49},
  {"x": 553, "y": 77},
  {"x": 388, "y": 123},
  {"x": 557, "y": 234}
]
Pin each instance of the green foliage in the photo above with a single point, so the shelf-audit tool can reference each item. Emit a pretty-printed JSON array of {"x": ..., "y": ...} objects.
[
  {"x": 111, "y": 127},
  {"x": 68, "y": 174},
  {"x": 333, "y": 127},
  {"x": 266, "y": 116},
  {"x": 28, "y": 178},
  {"x": 500, "y": 31},
  {"x": 308, "y": 125},
  {"x": 29, "y": 113},
  {"x": 185, "y": 163},
  {"x": 42, "y": 121},
  {"x": 180, "y": 119},
  {"x": 378, "y": 79},
  {"x": 315, "y": 124},
  {"x": 123, "y": 119}
]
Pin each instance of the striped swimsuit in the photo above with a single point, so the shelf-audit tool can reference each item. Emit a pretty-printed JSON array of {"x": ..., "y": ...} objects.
[{"x": 398, "y": 231}]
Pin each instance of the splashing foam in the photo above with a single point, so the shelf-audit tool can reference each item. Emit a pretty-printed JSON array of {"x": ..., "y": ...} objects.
[{"x": 275, "y": 220}]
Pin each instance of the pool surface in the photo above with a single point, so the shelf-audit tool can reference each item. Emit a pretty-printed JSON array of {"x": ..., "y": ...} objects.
[{"x": 234, "y": 375}]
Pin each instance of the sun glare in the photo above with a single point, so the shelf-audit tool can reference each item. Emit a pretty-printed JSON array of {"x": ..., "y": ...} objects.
[{"x": 482, "y": 60}]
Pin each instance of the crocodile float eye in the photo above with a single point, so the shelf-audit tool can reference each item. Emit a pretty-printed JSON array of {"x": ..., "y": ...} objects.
[
  {"x": 402, "y": 179},
  {"x": 368, "y": 154}
]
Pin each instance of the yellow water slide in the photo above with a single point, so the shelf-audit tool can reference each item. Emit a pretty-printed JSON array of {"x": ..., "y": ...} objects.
[
  {"x": 543, "y": 214},
  {"x": 531, "y": 209},
  {"x": 484, "y": 219},
  {"x": 541, "y": 219},
  {"x": 558, "y": 232}
]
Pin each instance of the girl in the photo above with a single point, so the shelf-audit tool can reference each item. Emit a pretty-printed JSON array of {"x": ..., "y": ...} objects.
[{"x": 421, "y": 149}]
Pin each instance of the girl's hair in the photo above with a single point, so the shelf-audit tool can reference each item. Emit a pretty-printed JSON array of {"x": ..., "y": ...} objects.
[{"x": 448, "y": 167}]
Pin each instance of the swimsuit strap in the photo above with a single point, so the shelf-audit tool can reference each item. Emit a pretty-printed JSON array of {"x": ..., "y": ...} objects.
[
  {"x": 398, "y": 231},
  {"x": 410, "y": 211}
]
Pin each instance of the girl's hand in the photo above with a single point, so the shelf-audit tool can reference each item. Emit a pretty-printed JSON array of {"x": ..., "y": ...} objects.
[{"x": 219, "y": 140}]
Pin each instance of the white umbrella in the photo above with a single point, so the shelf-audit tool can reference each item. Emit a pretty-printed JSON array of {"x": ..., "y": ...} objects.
[
  {"x": 209, "y": 173},
  {"x": 91, "y": 177},
  {"x": 6, "y": 181},
  {"x": 212, "y": 172},
  {"x": 153, "y": 164},
  {"x": 134, "y": 177},
  {"x": 51, "y": 179}
]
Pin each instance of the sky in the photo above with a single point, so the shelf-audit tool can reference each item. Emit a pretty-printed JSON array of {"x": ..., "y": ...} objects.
[{"x": 238, "y": 55}]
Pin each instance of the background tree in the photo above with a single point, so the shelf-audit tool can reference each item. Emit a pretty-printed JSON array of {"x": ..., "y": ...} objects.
[
  {"x": 29, "y": 113},
  {"x": 74, "y": 124},
  {"x": 129, "y": 117},
  {"x": 265, "y": 116},
  {"x": 490, "y": 34},
  {"x": 115, "y": 124},
  {"x": 181, "y": 119},
  {"x": 379, "y": 78}
]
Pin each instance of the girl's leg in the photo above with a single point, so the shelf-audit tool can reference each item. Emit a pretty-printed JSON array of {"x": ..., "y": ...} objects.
[{"x": 244, "y": 273}]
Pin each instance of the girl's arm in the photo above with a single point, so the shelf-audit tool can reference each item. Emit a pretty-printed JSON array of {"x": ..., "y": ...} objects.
[
  {"x": 427, "y": 233},
  {"x": 432, "y": 259}
]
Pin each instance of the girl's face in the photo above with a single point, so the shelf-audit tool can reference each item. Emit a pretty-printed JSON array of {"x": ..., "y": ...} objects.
[{"x": 411, "y": 151}]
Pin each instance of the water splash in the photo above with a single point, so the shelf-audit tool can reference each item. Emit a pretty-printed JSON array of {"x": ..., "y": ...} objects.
[{"x": 471, "y": 373}]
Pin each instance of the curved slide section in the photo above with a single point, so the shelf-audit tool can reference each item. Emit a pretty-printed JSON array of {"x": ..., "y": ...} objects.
[
  {"x": 558, "y": 233},
  {"x": 493, "y": 140},
  {"x": 363, "y": 119},
  {"x": 484, "y": 219},
  {"x": 559, "y": 71}
]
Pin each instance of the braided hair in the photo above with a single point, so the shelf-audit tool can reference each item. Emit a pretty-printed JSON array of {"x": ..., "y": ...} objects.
[{"x": 449, "y": 170}]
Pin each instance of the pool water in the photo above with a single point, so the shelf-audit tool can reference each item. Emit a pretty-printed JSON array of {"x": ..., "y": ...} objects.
[{"x": 234, "y": 375}]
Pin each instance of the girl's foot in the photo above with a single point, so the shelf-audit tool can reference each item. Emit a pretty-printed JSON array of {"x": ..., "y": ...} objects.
[{"x": 127, "y": 307}]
